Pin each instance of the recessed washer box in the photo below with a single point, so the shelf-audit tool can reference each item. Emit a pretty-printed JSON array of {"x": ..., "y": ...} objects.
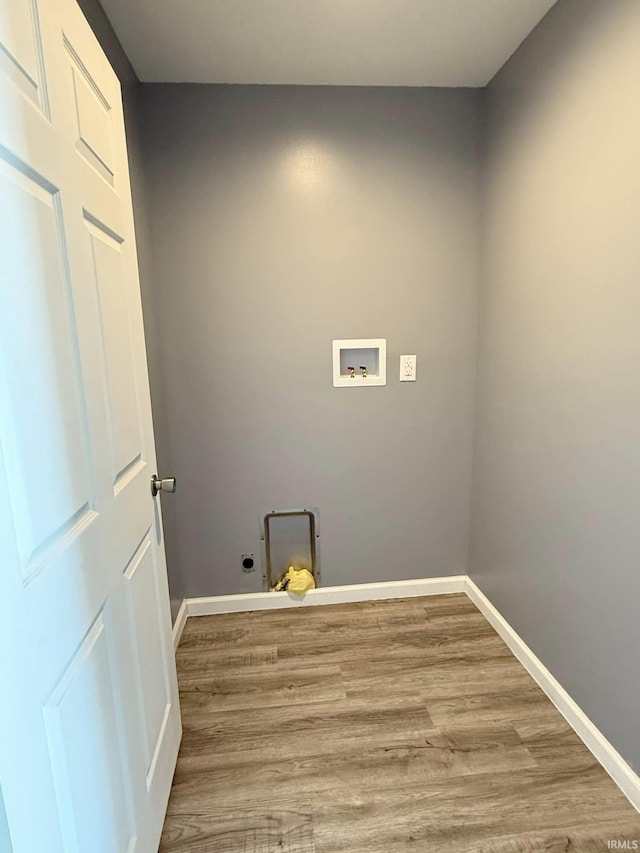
[{"x": 359, "y": 362}]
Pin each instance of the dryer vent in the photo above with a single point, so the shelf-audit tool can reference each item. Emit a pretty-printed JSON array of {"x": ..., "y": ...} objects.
[{"x": 290, "y": 537}]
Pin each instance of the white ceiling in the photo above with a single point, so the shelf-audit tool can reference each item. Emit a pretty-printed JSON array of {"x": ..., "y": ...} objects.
[{"x": 336, "y": 42}]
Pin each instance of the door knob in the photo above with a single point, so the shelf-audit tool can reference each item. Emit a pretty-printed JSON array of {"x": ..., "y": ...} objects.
[{"x": 166, "y": 485}]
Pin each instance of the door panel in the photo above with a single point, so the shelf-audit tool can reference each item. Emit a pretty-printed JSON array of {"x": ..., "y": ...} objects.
[
  {"x": 21, "y": 49},
  {"x": 85, "y": 751},
  {"x": 152, "y": 687},
  {"x": 50, "y": 483},
  {"x": 86, "y": 662},
  {"x": 110, "y": 278},
  {"x": 93, "y": 118}
]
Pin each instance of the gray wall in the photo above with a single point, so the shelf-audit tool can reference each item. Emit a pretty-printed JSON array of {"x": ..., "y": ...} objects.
[
  {"x": 130, "y": 92},
  {"x": 556, "y": 532},
  {"x": 284, "y": 217}
]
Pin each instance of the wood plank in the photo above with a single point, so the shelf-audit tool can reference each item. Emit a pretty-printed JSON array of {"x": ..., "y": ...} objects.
[
  {"x": 330, "y": 722},
  {"x": 260, "y": 827},
  {"x": 210, "y": 661},
  {"x": 270, "y": 686}
]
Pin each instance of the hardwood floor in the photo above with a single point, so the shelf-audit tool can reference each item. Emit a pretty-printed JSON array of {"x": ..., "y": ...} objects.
[{"x": 377, "y": 727}]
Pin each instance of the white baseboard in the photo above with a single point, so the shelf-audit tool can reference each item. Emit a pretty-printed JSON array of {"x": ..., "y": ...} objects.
[
  {"x": 178, "y": 625},
  {"x": 325, "y": 595},
  {"x": 603, "y": 751}
]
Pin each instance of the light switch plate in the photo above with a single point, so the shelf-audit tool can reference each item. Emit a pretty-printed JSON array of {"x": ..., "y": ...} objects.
[{"x": 408, "y": 364}]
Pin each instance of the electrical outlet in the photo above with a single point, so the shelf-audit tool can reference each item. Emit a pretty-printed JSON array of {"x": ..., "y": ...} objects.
[
  {"x": 408, "y": 365},
  {"x": 248, "y": 563}
]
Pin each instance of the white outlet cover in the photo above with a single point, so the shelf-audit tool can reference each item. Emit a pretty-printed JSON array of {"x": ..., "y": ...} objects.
[{"x": 408, "y": 367}]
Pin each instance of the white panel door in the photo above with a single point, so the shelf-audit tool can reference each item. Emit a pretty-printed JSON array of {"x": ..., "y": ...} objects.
[{"x": 89, "y": 716}]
